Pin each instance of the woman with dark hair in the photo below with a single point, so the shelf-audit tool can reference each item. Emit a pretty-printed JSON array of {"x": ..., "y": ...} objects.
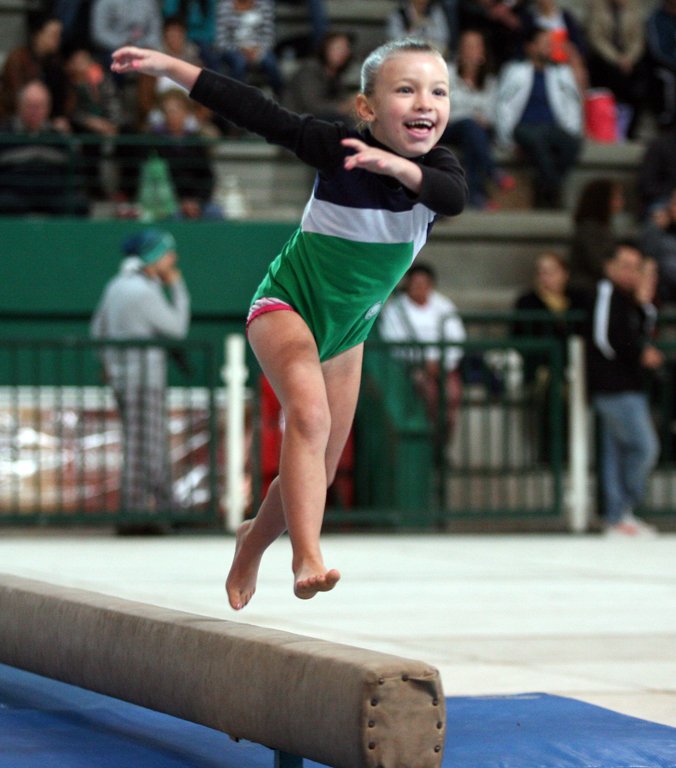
[
  {"x": 38, "y": 59},
  {"x": 318, "y": 86},
  {"x": 593, "y": 235}
]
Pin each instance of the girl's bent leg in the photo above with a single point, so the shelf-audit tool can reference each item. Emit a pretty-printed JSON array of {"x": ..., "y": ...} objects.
[{"x": 318, "y": 403}]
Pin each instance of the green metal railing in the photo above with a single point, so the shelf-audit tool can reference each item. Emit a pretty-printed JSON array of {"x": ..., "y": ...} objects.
[{"x": 61, "y": 442}]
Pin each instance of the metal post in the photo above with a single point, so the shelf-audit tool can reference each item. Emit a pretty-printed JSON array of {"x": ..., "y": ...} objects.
[
  {"x": 578, "y": 439},
  {"x": 235, "y": 374}
]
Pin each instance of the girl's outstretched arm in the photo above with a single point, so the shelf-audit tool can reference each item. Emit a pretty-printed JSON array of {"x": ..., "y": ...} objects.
[{"x": 155, "y": 63}]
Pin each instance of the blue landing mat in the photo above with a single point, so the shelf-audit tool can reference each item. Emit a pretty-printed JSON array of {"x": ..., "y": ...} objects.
[{"x": 47, "y": 724}]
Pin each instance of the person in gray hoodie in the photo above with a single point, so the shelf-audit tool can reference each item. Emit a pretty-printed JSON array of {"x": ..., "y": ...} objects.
[{"x": 146, "y": 300}]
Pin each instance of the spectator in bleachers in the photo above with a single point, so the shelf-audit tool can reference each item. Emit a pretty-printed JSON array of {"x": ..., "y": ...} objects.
[
  {"x": 187, "y": 156},
  {"x": 318, "y": 86},
  {"x": 500, "y": 21},
  {"x": 175, "y": 42},
  {"x": 245, "y": 40},
  {"x": 539, "y": 111},
  {"x": 422, "y": 19},
  {"x": 471, "y": 124},
  {"x": 661, "y": 44},
  {"x": 75, "y": 17},
  {"x": 566, "y": 33},
  {"x": 658, "y": 241},
  {"x": 616, "y": 37},
  {"x": 39, "y": 59},
  {"x": 38, "y": 163},
  {"x": 319, "y": 20},
  {"x": 594, "y": 236},
  {"x": 419, "y": 313},
  {"x": 115, "y": 23},
  {"x": 199, "y": 17},
  {"x": 92, "y": 107},
  {"x": 657, "y": 172}
]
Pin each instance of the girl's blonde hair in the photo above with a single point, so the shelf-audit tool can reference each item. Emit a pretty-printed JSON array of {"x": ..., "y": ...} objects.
[{"x": 375, "y": 60}]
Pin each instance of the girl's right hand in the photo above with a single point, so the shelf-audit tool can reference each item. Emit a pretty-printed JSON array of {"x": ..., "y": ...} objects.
[{"x": 132, "y": 59}]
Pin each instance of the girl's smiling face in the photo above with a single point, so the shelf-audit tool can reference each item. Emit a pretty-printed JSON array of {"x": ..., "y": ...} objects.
[{"x": 409, "y": 107}]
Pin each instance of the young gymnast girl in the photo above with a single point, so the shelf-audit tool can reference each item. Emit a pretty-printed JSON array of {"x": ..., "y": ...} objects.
[{"x": 376, "y": 195}]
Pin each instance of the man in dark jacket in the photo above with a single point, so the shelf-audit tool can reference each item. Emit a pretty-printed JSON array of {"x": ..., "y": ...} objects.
[{"x": 619, "y": 354}]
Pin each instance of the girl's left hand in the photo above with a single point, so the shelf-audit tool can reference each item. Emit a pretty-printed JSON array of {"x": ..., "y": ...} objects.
[{"x": 370, "y": 158}]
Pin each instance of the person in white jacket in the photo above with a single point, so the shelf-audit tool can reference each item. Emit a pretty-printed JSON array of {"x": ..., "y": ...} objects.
[{"x": 539, "y": 111}]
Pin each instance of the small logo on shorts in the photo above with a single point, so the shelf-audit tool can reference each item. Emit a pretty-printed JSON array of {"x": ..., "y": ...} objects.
[{"x": 373, "y": 311}]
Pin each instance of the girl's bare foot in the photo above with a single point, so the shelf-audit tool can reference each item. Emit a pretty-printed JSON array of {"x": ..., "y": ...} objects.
[
  {"x": 308, "y": 581},
  {"x": 241, "y": 582}
]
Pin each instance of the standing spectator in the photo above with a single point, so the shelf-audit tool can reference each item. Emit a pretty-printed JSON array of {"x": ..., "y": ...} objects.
[
  {"x": 619, "y": 355},
  {"x": 75, "y": 17},
  {"x": 421, "y": 19},
  {"x": 245, "y": 39},
  {"x": 594, "y": 235},
  {"x": 187, "y": 155},
  {"x": 419, "y": 313},
  {"x": 38, "y": 164},
  {"x": 471, "y": 124},
  {"x": 548, "y": 302},
  {"x": 40, "y": 59},
  {"x": 539, "y": 110},
  {"x": 567, "y": 36},
  {"x": 616, "y": 36},
  {"x": 199, "y": 17},
  {"x": 115, "y": 23},
  {"x": 319, "y": 19},
  {"x": 318, "y": 86},
  {"x": 658, "y": 242},
  {"x": 661, "y": 43},
  {"x": 657, "y": 172},
  {"x": 134, "y": 306}
]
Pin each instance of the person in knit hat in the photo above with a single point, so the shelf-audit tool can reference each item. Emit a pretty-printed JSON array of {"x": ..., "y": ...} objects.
[{"x": 146, "y": 300}]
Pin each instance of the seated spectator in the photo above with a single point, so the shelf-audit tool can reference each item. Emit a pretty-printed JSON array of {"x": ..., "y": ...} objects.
[
  {"x": 175, "y": 42},
  {"x": 473, "y": 91},
  {"x": 319, "y": 22},
  {"x": 40, "y": 59},
  {"x": 661, "y": 44},
  {"x": 567, "y": 36},
  {"x": 38, "y": 173},
  {"x": 594, "y": 236},
  {"x": 501, "y": 23},
  {"x": 92, "y": 107},
  {"x": 658, "y": 242},
  {"x": 182, "y": 146},
  {"x": 245, "y": 40},
  {"x": 421, "y": 19},
  {"x": 115, "y": 23},
  {"x": 75, "y": 17},
  {"x": 318, "y": 87},
  {"x": 539, "y": 111},
  {"x": 199, "y": 17},
  {"x": 657, "y": 172},
  {"x": 616, "y": 37},
  {"x": 420, "y": 314}
]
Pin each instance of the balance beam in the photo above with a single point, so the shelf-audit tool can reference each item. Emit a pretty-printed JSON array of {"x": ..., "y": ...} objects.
[{"x": 343, "y": 706}]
